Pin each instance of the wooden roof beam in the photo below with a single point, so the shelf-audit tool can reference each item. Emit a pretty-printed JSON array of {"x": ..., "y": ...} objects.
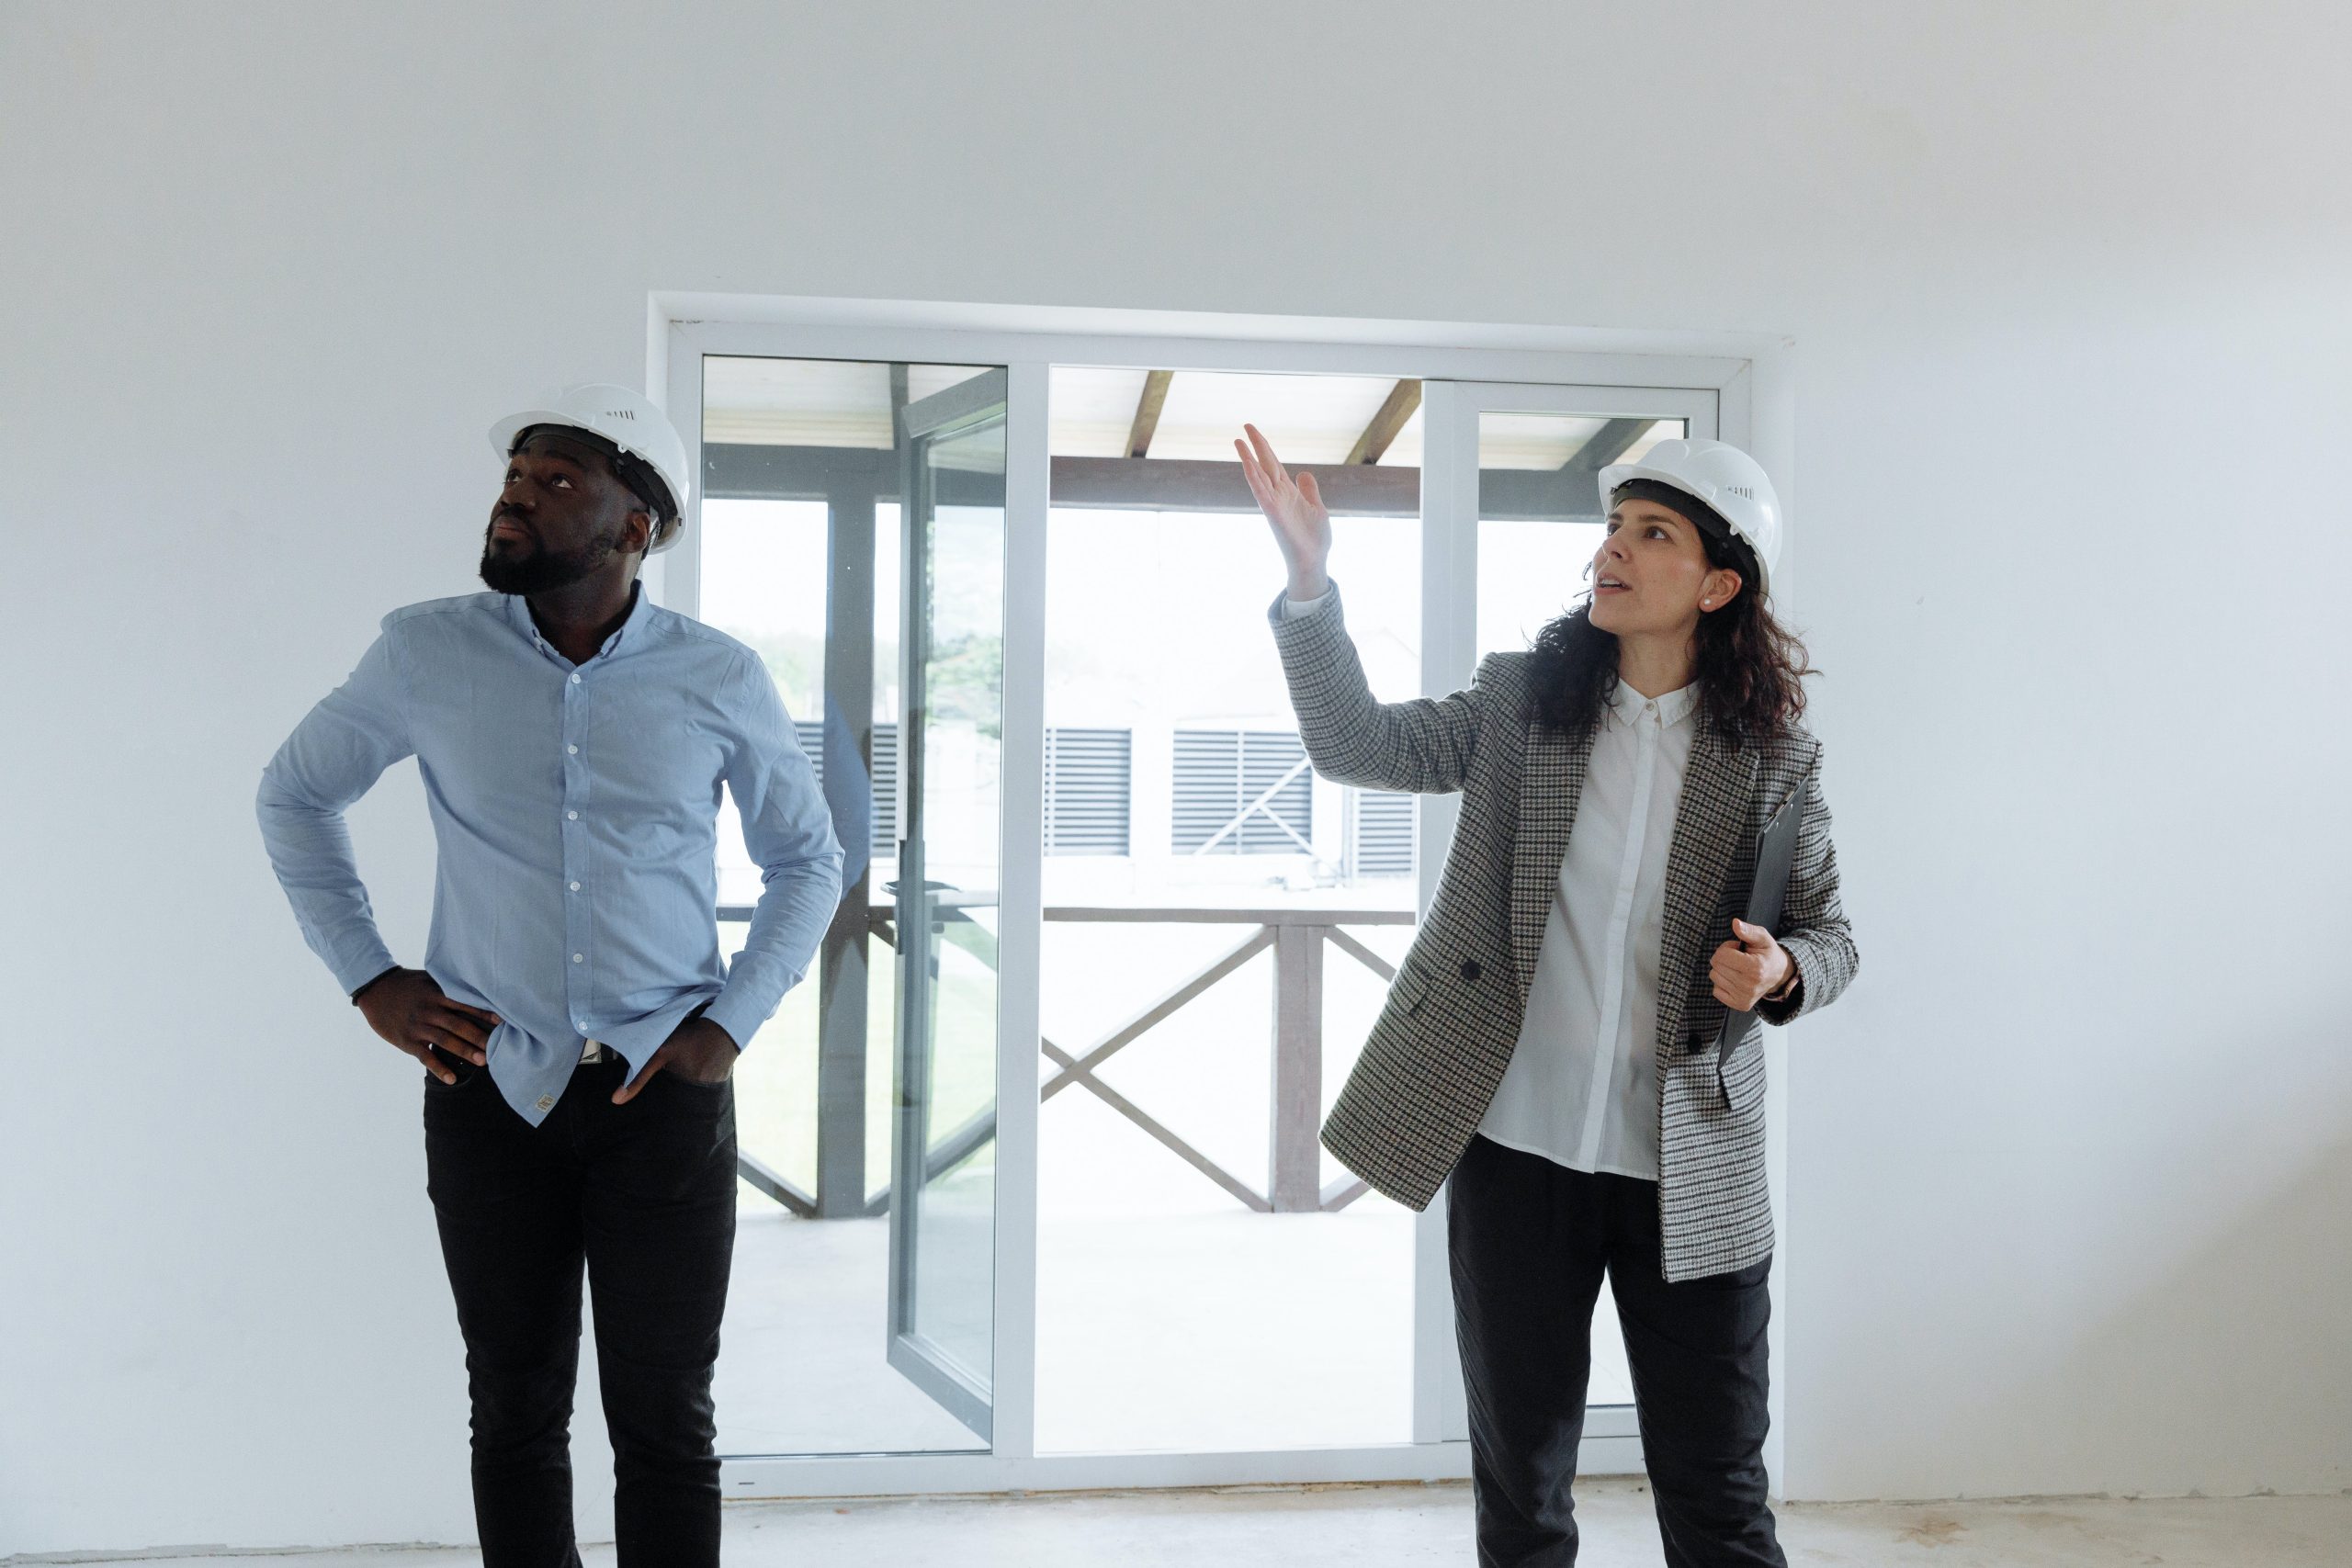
[
  {"x": 1607, "y": 445},
  {"x": 1395, "y": 414},
  {"x": 1148, "y": 407}
]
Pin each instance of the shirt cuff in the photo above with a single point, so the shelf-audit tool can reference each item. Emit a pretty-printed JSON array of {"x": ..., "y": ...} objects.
[
  {"x": 1298, "y": 609},
  {"x": 1785, "y": 1004},
  {"x": 372, "y": 963},
  {"x": 737, "y": 1014}
]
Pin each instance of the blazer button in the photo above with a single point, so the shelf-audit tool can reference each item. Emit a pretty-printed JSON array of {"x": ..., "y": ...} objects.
[{"x": 1469, "y": 968}]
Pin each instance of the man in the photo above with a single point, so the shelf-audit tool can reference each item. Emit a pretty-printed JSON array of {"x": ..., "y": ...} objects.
[{"x": 575, "y": 1021}]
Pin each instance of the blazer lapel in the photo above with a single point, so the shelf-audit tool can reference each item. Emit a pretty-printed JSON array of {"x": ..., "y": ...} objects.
[
  {"x": 1550, "y": 782},
  {"x": 1717, "y": 785}
]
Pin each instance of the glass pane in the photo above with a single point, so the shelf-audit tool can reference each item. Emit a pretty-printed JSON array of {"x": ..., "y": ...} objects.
[
  {"x": 1538, "y": 488},
  {"x": 1540, "y": 526},
  {"x": 953, "y": 1097},
  {"x": 799, "y": 552},
  {"x": 1174, "y": 1312},
  {"x": 763, "y": 584}
]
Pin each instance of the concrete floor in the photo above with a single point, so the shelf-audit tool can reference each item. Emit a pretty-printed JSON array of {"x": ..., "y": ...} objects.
[
  {"x": 1376, "y": 1527},
  {"x": 1158, "y": 1328},
  {"x": 1204, "y": 1331}
]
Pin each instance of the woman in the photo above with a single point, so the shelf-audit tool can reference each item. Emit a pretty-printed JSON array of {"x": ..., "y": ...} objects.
[{"x": 1550, "y": 1041}]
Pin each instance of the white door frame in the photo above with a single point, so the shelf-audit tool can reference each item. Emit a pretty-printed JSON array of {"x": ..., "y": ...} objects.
[
  {"x": 1711, "y": 379},
  {"x": 1448, "y": 658}
]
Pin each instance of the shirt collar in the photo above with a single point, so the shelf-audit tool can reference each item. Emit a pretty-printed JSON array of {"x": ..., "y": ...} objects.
[
  {"x": 1672, "y": 708},
  {"x": 518, "y": 614},
  {"x": 639, "y": 609}
]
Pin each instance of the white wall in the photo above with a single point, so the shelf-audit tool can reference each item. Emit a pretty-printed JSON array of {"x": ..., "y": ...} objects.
[{"x": 2066, "y": 284}]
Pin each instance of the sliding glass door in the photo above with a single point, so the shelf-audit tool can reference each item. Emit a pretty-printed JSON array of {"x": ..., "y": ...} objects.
[
  {"x": 1514, "y": 516},
  {"x": 951, "y": 724},
  {"x": 1031, "y": 1189}
]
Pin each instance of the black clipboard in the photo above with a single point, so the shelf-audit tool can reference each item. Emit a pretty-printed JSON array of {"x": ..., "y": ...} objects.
[{"x": 1776, "y": 854}]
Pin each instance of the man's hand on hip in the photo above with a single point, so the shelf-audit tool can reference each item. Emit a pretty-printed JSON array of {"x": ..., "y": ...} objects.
[
  {"x": 407, "y": 1008},
  {"x": 698, "y": 1050}
]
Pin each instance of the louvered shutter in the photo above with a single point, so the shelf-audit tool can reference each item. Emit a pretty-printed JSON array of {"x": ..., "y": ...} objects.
[
  {"x": 1381, "y": 838},
  {"x": 1219, "y": 772},
  {"x": 886, "y": 776},
  {"x": 1088, "y": 779}
]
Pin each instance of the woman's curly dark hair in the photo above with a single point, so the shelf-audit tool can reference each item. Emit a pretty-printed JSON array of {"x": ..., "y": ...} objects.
[{"x": 1750, "y": 670}]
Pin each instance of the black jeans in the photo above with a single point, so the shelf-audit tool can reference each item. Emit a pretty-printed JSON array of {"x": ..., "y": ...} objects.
[
  {"x": 1529, "y": 1242},
  {"x": 642, "y": 1194}
]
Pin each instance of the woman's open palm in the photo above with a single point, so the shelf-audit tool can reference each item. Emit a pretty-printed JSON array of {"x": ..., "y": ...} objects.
[{"x": 1294, "y": 509}]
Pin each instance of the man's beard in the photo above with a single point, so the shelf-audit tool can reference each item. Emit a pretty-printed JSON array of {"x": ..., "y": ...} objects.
[{"x": 543, "y": 568}]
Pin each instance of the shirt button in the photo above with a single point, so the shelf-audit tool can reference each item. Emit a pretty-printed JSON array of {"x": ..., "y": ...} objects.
[
  {"x": 572, "y": 817},
  {"x": 575, "y": 677},
  {"x": 573, "y": 751},
  {"x": 575, "y": 887},
  {"x": 578, "y": 958}
]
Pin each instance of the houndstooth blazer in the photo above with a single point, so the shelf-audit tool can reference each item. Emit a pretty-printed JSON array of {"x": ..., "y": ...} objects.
[{"x": 1434, "y": 1057}]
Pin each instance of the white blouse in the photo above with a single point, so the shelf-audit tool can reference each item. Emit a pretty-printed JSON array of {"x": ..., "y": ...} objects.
[{"x": 1581, "y": 1089}]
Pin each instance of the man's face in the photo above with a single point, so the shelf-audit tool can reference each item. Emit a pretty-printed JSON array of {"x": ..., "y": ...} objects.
[{"x": 561, "y": 517}]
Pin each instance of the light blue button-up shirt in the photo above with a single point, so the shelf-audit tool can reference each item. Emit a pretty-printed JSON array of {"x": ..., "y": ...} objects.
[{"x": 576, "y": 809}]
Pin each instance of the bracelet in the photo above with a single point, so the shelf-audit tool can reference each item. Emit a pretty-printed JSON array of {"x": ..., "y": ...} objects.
[{"x": 369, "y": 986}]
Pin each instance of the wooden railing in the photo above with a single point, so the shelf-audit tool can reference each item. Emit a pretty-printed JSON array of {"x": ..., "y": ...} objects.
[{"x": 1299, "y": 939}]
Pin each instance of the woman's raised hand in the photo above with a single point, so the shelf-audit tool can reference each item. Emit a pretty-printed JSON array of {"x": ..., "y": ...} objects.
[{"x": 1293, "y": 508}]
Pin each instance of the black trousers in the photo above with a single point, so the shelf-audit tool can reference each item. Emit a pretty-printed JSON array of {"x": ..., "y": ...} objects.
[
  {"x": 643, "y": 1196},
  {"x": 1529, "y": 1242}
]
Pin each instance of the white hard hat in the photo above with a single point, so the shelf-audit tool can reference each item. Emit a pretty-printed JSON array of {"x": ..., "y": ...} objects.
[
  {"x": 627, "y": 418},
  {"x": 1722, "y": 475}
]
